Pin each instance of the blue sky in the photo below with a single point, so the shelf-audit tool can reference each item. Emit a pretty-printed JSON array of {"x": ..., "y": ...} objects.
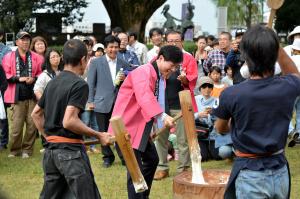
[{"x": 205, "y": 13}]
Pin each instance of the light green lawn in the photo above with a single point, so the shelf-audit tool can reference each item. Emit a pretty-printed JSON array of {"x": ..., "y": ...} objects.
[{"x": 23, "y": 178}]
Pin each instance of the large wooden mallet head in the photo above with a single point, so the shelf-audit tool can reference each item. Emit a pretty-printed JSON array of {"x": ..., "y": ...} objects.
[
  {"x": 274, "y": 5},
  {"x": 123, "y": 140}
]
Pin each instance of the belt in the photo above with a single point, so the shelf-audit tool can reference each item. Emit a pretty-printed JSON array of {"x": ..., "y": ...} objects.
[
  {"x": 60, "y": 139},
  {"x": 253, "y": 155}
]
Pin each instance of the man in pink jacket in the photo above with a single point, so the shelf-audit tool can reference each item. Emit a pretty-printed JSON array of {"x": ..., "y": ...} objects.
[
  {"x": 140, "y": 103},
  {"x": 21, "y": 68}
]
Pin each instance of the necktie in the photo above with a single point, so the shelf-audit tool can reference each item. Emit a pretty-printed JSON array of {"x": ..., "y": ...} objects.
[{"x": 161, "y": 99}]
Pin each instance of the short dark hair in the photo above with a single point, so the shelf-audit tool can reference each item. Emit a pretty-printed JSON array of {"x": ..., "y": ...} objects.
[
  {"x": 259, "y": 47},
  {"x": 226, "y": 68},
  {"x": 134, "y": 34},
  {"x": 153, "y": 30},
  {"x": 47, "y": 65},
  {"x": 215, "y": 68},
  {"x": 117, "y": 29},
  {"x": 215, "y": 42},
  {"x": 88, "y": 41},
  {"x": 171, "y": 32},
  {"x": 226, "y": 33},
  {"x": 111, "y": 39},
  {"x": 171, "y": 53},
  {"x": 201, "y": 37},
  {"x": 73, "y": 51},
  {"x": 211, "y": 37}
]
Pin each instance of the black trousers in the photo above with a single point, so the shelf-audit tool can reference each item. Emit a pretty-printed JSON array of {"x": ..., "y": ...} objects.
[
  {"x": 68, "y": 174},
  {"x": 208, "y": 150},
  {"x": 4, "y": 129},
  {"x": 148, "y": 162},
  {"x": 103, "y": 123}
]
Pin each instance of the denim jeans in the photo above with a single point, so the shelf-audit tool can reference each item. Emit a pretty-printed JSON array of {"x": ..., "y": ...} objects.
[
  {"x": 226, "y": 151},
  {"x": 89, "y": 119},
  {"x": 297, "y": 110},
  {"x": 270, "y": 184}
]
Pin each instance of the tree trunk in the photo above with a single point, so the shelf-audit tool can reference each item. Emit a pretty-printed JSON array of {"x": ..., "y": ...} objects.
[
  {"x": 249, "y": 16},
  {"x": 131, "y": 15}
]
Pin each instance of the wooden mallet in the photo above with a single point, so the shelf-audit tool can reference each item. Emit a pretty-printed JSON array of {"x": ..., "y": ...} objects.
[
  {"x": 123, "y": 140},
  {"x": 190, "y": 130},
  {"x": 166, "y": 128},
  {"x": 274, "y": 5},
  {"x": 154, "y": 135}
]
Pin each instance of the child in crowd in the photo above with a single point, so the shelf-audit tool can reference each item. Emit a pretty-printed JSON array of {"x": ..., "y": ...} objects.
[
  {"x": 215, "y": 44},
  {"x": 98, "y": 50},
  {"x": 228, "y": 80},
  {"x": 215, "y": 75}
]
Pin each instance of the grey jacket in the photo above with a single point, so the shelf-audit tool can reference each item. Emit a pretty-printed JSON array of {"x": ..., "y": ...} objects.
[{"x": 102, "y": 91}]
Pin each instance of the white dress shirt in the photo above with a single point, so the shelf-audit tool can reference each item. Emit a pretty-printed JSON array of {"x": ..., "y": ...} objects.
[{"x": 112, "y": 67}]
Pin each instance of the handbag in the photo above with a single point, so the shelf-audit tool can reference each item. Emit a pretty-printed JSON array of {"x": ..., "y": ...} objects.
[
  {"x": 2, "y": 108},
  {"x": 202, "y": 129}
]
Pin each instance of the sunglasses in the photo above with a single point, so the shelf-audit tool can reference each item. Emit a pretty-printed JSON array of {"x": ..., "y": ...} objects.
[{"x": 207, "y": 85}]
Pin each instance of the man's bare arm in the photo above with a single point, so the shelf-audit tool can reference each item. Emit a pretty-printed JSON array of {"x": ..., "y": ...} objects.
[
  {"x": 222, "y": 126},
  {"x": 286, "y": 63},
  {"x": 73, "y": 123},
  {"x": 38, "y": 119}
]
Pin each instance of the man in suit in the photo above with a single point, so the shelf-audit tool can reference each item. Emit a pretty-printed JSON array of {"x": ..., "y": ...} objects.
[{"x": 104, "y": 79}]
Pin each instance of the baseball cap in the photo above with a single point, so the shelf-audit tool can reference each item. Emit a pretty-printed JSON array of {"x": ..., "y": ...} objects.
[
  {"x": 98, "y": 45},
  {"x": 205, "y": 80},
  {"x": 22, "y": 34}
]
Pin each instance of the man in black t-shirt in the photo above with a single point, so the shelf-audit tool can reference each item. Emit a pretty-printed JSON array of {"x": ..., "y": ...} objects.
[{"x": 67, "y": 169}]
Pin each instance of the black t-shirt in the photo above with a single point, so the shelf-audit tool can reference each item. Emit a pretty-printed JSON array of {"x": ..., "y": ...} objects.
[
  {"x": 260, "y": 112},
  {"x": 173, "y": 87},
  {"x": 24, "y": 91},
  {"x": 65, "y": 89}
]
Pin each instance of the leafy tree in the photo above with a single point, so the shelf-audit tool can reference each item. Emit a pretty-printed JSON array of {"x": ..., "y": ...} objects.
[
  {"x": 131, "y": 14},
  {"x": 288, "y": 16},
  {"x": 70, "y": 8},
  {"x": 242, "y": 12},
  {"x": 15, "y": 14}
]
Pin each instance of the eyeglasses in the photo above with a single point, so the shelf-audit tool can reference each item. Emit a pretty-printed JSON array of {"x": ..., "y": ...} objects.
[{"x": 173, "y": 41}]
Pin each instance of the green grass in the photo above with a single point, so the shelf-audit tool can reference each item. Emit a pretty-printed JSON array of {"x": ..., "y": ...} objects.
[{"x": 23, "y": 178}]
